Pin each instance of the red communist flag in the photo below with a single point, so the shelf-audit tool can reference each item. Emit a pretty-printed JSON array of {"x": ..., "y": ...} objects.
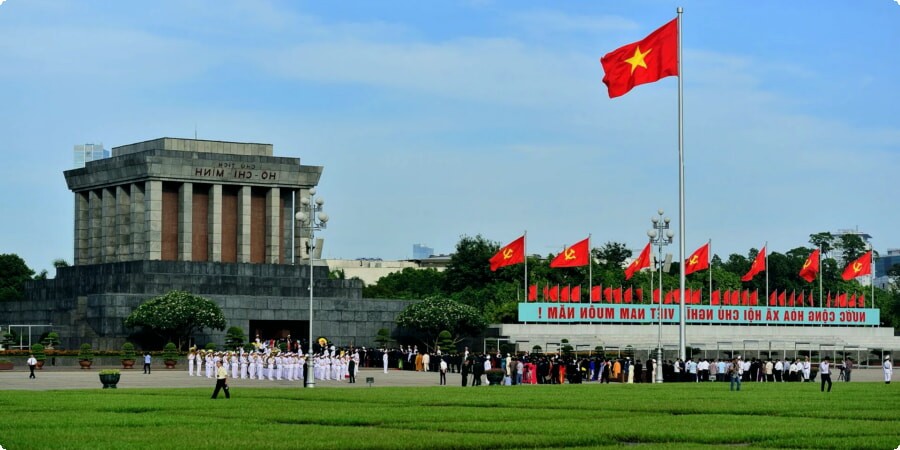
[
  {"x": 862, "y": 266},
  {"x": 532, "y": 293},
  {"x": 595, "y": 294},
  {"x": 640, "y": 294},
  {"x": 608, "y": 294},
  {"x": 699, "y": 260},
  {"x": 759, "y": 265},
  {"x": 575, "y": 256},
  {"x": 754, "y": 298},
  {"x": 512, "y": 253},
  {"x": 643, "y": 260},
  {"x": 576, "y": 294},
  {"x": 554, "y": 293},
  {"x": 715, "y": 298},
  {"x": 773, "y": 298},
  {"x": 564, "y": 294},
  {"x": 656, "y": 295},
  {"x": 644, "y": 61},
  {"x": 627, "y": 296},
  {"x": 810, "y": 267},
  {"x": 782, "y": 298}
]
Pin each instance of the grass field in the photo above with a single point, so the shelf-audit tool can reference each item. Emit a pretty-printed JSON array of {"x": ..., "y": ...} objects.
[{"x": 770, "y": 415}]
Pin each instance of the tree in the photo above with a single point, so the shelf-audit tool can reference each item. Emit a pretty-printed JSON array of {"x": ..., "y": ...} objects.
[
  {"x": 59, "y": 262},
  {"x": 469, "y": 266},
  {"x": 433, "y": 315},
  {"x": 612, "y": 255},
  {"x": 177, "y": 315},
  {"x": 824, "y": 241},
  {"x": 234, "y": 338},
  {"x": 383, "y": 337},
  {"x": 409, "y": 283},
  {"x": 13, "y": 275},
  {"x": 445, "y": 341},
  {"x": 852, "y": 246}
]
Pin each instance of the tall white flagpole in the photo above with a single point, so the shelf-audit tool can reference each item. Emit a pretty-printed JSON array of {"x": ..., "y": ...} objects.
[
  {"x": 590, "y": 268},
  {"x": 766, "y": 248},
  {"x": 525, "y": 251},
  {"x": 681, "y": 308},
  {"x": 820, "y": 277},
  {"x": 709, "y": 268}
]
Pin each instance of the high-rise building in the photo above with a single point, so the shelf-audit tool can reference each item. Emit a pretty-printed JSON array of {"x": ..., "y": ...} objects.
[
  {"x": 88, "y": 152},
  {"x": 838, "y": 253},
  {"x": 421, "y": 251}
]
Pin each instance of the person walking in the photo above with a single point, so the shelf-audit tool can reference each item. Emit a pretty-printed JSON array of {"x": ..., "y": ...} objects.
[
  {"x": 848, "y": 369},
  {"x": 147, "y": 360},
  {"x": 443, "y": 370},
  {"x": 737, "y": 372},
  {"x": 221, "y": 381},
  {"x": 825, "y": 373},
  {"x": 32, "y": 363},
  {"x": 888, "y": 369}
]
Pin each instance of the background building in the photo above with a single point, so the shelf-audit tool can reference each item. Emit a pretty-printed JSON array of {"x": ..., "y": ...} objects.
[
  {"x": 421, "y": 251},
  {"x": 88, "y": 152}
]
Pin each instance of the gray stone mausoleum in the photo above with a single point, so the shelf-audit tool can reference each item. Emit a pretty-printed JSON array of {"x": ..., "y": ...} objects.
[{"x": 212, "y": 218}]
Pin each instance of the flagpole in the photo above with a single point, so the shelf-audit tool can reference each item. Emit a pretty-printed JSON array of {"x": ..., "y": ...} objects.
[
  {"x": 766, "y": 248},
  {"x": 590, "y": 267},
  {"x": 525, "y": 251},
  {"x": 820, "y": 277},
  {"x": 681, "y": 309},
  {"x": 709, "y": 265},
  {"x": 872, "y": 273}
]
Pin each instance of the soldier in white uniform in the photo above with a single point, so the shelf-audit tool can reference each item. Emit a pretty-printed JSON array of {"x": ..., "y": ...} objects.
[
  {"x": 888, "y": 369},
  {"x": 244, "y": 362},
  {"x": 384, "y": 359},
  {"x": 191, "y": 358}
]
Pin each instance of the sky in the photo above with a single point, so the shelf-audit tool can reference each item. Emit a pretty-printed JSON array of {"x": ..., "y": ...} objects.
[{"x": 435, "y": 120}]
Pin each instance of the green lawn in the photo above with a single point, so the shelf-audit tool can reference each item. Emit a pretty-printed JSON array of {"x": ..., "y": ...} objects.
[{"x": 772, "y": 415}]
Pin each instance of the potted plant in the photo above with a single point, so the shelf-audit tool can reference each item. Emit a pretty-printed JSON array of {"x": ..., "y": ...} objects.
[
  {"x": 86, "y": 356},
  {"x": 128, "y": 355},
  {"x": 495, "y": 376},
  {"x": 51, "y": 340},
  {"x": 109, "y": 378},
  {"x": 170, "y": 355},
  {"x": 6, "y": 364},
  {"x": 38, "y": 351}
]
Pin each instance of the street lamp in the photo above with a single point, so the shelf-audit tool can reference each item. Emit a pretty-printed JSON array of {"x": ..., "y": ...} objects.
[
  {"x": 660, "y": 236},
  {"x": 312, "y": 218}
]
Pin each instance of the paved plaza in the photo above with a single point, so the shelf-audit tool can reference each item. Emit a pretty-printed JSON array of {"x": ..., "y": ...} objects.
[{"x": 69, "y": 378}]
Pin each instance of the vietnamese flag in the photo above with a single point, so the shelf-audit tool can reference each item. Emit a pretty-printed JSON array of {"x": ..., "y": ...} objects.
[
  {"x": 668, "y": 299},
  {"x": 546, "y": 293},
  {"x": 782, "y": 298},
  {"x": 643, "y": 260},
  {"x": 644, "y": 61},
  {"x": 861, "y": 266},
  {"x": 754, "y": 298},
  {"x": 512, "y": 253},
  {"x": 608, "y": 294},
  {"x": 554, "y": 293},
  {"x": 575, "y": 296},
  {"x": 699, "y": 260},
  {"x": 575, "y": 256},
  {"x": 810, "y": 267},
  {"x": 656, "y": 296},
  {"x": 853, "y": 301},
  {"x": 793, "y": 300},
  {"x": 715, "y": 298},
  {"x": 595, "y": 294},
  {"x": 532, "y": 293},
  {"x": 727, "y": 298},
  {"x": 745, "y": 301},
  {"x": 564, "y": 294},
  {"x": 773, "y": 298},
  {"x": 617, "y": 295},
  {"x": 627, "y": 297},
  {"x": 639, "y": 293},
  {"x": 759, "y": 265},
  {"x": 698, "y": 297},
  {"x": 801, "y": 301},
  {"x": 861, "y": 301}
]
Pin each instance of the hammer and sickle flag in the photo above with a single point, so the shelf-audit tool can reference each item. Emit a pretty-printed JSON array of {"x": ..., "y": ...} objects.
[
  {"x": 810, "y": 267},
  {"x": 643, "y": 260},
  {"x": 575, "y": 256},
  {"x": 861, "y": 266},
  {"x": 759, "y": 265},
  {"x": 512, "y": 253},
  {"x": 699, "y": 260}
]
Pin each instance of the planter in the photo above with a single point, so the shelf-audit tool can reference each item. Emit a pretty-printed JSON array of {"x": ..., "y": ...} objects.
[
  {"x": 127, "y": 363},
  {"x": 495, "y": 378},
  {"x": 85, "y": 364},
  {"x": 109, "y": 380},
  {"x": 170, "y": 363},
  {"x": 6, "y": 366}
]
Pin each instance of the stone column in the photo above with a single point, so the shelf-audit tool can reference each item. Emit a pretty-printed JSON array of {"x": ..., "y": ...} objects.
[
  {"x": 109, "y": 225},
  {"x": 82, "y": 229},
  {"x": 138, "y": 234},
  {"x": 243, "y": 225},
  {"x": 96, "y": 226},
  {"x": 287, "y": 220},
  {"x": 273, "y": 226},
  {"x": 123, "y": 222},
  {"x": 153, "y": 219},
  {"x": 185, "y": 221},
  {"x": 215, "y": 223}
]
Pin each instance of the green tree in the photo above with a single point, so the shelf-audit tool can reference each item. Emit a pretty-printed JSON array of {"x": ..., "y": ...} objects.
[
  {"x": 445, "y": 342},
  {"x": 852, "y": 246},
  {"x": 13, "y": 275},
  {"x": 408, "y": 283},
  {"x": 234, "y": 338},
  {"x": 433, "y": 315},
  {"x": 612, "y": 255},
  {"x": 59, "y": 262},
  {"x": 177, "y": 315},
  {"x": 383, "y": 337},
  {"x": 824, "y": 241},
  {"x": 470, "y": 268}
]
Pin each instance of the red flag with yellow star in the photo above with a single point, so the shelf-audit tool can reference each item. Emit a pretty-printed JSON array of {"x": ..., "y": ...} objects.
[
  {"x": 575, "y": 256},
  {"x": 862, "y": 266},
  {"x": 512, "y": 253},
  {"x": 643, "y": 260},
  {"x": 699, "y": 260},
  {"x": 645, "y": 61}
]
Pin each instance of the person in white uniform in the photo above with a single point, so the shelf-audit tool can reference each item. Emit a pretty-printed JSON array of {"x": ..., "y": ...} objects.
[
  {"x": 888, "y": 369},
  {"x": 191, "y": 358},
  {"x": 384, "y": 359}
]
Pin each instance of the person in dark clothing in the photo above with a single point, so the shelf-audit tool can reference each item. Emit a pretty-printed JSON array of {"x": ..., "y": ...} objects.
[
  {"x": 477, "y": 371},
  {"x": 466, "y": 365},
  {"x": 351, "y": 368},
  {"x": 638, "y": 372}
]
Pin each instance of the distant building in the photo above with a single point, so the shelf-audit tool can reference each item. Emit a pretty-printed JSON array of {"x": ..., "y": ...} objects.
[
  {"x": 883, "y": 264},
  {"x": 370, "y": 270},
  {"x": 420, "y": 251},
  {"x": 88, "y": 152}
]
